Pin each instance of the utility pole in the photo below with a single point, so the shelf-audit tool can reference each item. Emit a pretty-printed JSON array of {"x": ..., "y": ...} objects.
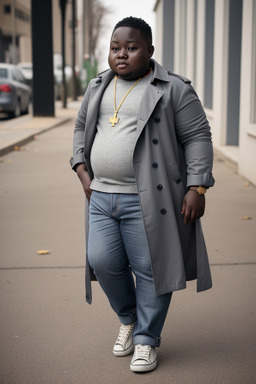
[
  {"x": 62, "y": 4},
  {"x": 42, "y": 51},
  {"x": 14, "y": 57}
]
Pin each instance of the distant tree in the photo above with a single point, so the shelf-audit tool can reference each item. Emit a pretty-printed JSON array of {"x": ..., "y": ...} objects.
[{"x": 97, "y": 13}]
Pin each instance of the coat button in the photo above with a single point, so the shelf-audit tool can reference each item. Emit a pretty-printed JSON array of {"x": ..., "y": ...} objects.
[
  {"x": 178, "y": 181},
  {"x": 157, "y": 119},
  {"x": 163, "y": 211},
  {"x": 154, "y": 165},
  {"x": 159, "y": 187},
  {"x": 155, "y": 140}
]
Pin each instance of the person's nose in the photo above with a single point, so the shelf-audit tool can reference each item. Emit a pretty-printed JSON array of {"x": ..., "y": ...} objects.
[{"x": 122, "y": 53}]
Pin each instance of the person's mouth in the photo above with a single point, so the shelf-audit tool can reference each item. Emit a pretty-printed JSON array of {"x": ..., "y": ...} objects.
[{"x": 121, "y": 65}]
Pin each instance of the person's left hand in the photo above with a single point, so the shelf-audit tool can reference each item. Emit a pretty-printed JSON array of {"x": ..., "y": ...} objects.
[{"x": 193, "y": 206}]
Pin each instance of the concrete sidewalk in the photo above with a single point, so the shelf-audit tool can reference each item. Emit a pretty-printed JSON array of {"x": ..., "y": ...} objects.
[
  {"x": 49, "y": 335},
  {"x": 16, "y": 132}
]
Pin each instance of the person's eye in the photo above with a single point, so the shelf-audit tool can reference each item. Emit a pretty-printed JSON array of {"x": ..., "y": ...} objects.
[
  {"x": 114, "y": 49},
  {"x": 131, "y": 49}
]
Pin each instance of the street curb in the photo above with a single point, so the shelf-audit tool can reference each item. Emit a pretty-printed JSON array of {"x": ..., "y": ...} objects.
[{"x": 30, "y": 137}]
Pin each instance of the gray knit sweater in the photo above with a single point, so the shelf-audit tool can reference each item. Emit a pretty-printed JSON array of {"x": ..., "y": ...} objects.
[{"x": 113, "y": 147}]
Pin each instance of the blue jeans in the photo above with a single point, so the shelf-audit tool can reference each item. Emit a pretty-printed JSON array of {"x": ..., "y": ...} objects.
[{"x": 117, "y": 250}]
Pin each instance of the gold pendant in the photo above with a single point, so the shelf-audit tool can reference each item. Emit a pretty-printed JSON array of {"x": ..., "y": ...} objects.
[{"x": 114, "y": 120}]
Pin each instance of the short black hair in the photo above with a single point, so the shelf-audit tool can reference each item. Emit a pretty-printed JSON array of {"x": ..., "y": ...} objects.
[{"x": 137, "y": 23}]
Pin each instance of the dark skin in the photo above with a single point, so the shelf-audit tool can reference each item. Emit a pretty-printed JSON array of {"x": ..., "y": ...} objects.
[
  {"x": 129, "y": 53},
  {"x": 84, "y": 177},
  {"x": 129, "y": 57}
]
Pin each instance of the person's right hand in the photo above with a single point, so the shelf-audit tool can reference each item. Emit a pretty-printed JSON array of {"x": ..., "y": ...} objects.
[{"x": 84, "y": 177}]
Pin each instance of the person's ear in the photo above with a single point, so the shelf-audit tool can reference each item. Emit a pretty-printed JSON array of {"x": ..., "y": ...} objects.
[{"x": 151, "y": 50}]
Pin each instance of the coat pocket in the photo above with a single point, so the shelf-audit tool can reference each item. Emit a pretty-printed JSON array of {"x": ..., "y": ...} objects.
[{"x": 174, "y": 173}]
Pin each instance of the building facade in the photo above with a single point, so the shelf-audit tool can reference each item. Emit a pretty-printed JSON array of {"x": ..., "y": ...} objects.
[
  {"x": 213, "y": 43},
  {"x": 16, "y": 41},
  {"x": 15, "y": 31}
]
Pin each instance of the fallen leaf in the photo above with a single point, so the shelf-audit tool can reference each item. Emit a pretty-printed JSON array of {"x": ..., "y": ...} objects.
[
  {"x": 245, "y": 218},
  {"x": 43, "y": 252},
  {"x": 247, "y": 184},
  {"x": 17, "y": 148}
]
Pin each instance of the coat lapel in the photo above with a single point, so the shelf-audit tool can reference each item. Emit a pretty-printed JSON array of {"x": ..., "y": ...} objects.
[
  {"x": 93, "y": 110},
  {"x": 152, "y": 95},
  {"x": 150, "y": 98}
]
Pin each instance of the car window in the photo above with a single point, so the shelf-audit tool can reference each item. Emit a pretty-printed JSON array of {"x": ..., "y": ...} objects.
[
  {"x": 14, "y": 75},
  {"x": 20, "y": 75},
  {"x": 27, "y": 68},
  {"x": 17, "y": 76},
  {"x": 3, "y": 73}
]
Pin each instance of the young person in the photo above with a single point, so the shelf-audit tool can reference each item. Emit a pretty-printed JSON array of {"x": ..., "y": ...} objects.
[{"x": 143, "y": 153}]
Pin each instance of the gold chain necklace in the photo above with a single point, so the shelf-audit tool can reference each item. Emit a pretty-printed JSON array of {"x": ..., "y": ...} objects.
[{"x": 114, "y": 120}]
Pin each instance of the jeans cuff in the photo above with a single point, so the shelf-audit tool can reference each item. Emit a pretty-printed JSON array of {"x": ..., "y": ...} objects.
[
  {"x": 128, "y": 319},
  {"x": 147, "y": 340}
]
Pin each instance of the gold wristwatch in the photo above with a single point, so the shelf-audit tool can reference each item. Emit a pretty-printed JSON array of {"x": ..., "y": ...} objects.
[{"x": 200, "y": 190}]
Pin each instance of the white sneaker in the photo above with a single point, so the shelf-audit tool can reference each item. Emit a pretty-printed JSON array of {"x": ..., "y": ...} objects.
[
  {"x": 124, "y": 343},
  {"x": 144, "y": 358}
]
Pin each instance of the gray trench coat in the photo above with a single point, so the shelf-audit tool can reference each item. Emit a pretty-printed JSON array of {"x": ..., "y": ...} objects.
[{"x": 173, "y": 151}]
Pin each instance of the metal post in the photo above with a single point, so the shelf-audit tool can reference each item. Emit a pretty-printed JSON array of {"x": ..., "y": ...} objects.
[
  {"x": 74, "y": 88},
  {"x": 42, "y": 53},
  {"x": 14, "y": 59},
  {"x": 62, "y": 4}
]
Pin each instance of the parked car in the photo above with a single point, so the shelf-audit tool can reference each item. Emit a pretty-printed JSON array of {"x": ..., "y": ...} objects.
[
  {"x": 27, "y": 71},
  {"x": 57, "y": 67},
  {"x": 15, "y": 94}
]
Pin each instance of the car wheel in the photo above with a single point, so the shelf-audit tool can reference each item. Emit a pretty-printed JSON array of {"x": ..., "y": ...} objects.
[
  {"x": 17, "y": 110},
  {"x": 26, "y": 110}
]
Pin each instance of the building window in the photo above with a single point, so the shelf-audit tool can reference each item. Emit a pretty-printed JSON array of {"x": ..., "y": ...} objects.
[
  {"x": 209, "y": 53},
  {"x": 7, "y": 9},
  {"x": 19, "y": 14},
  {"x": 253, "y": 74},
  {"x": 195, "y": 41},
  {"x": 183, "y": 37},
  {"x": 168, "y": 34},
  {"x": 234, "y": 71}
]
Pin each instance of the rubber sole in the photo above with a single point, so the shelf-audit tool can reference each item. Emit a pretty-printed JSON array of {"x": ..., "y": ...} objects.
[
  {"x": 127, "y": 352},
  {"x": 144, "y": 367}
]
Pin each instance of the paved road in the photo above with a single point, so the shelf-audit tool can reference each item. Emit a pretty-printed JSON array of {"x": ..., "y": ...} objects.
[{"x": 49, "y": 335}]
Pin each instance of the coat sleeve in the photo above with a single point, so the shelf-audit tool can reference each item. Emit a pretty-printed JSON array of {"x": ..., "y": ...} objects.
[
  {"x": 193, "y": 132},
  {"x": 78, "y": 139}
]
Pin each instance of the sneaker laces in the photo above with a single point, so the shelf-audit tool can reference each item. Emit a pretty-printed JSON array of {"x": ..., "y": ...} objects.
[
  {"x": 124, "y": 333},
  {"x": 141, "y": 352}
]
